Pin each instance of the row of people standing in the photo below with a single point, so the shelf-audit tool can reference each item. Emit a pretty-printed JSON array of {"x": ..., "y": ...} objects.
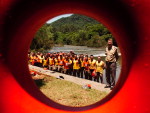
[{"x": 81, "y": 65}]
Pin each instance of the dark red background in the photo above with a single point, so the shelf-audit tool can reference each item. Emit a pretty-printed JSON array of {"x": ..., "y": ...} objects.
[{"x": 128, "y": 20}]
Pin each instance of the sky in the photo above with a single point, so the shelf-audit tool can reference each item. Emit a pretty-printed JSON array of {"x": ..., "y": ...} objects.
[{"x": 58, "y": 17}]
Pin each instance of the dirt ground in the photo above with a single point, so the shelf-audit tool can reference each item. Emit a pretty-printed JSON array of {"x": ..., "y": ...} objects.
[{"x": 79, "y": 81}]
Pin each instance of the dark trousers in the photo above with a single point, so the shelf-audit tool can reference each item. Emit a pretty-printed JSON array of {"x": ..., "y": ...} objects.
[
  {"x": 111, "y": 73},
  {"x": 86, "y": 73},
  {"x": 90, "y": 75},
  {"x": 98, "y": 76},
  {"x": 71, "y": 71},
  {"x": 76, "y": 72},
  {"x": 36, "y": 64},
  {"x": 40, "y": 64},
  {"x": 66, "y": 71},
  {"x": 81, "y": 72}
]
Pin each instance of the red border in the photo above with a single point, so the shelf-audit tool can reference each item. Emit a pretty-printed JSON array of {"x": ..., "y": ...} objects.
[{"x": 24, "y": 18}]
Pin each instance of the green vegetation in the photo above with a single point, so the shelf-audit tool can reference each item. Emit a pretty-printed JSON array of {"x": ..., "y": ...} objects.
[
  {"x": 43, "y": 39},
  {"x": 68, "y": 93},
  {"x": 76, "y": 30}
]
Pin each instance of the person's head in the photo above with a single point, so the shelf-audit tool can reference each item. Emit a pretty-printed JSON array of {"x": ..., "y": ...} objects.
[
  {"x": 66, "y": 57},
  {"x": 48, "y": 54},
  {"x": 70, "y": 57},
  {"x": 86, "y": 55},
  {"x": 71, "y": 52},
  {"x": 79, "y": 55},
  {"x": 41, "y": 55},
  {"x": 68, "y": 54},
  {"x": 45, "y": 58},
  {"x": 110, "y": 43},
  {"x": 38, "y": 53},
  {"x": 61, "y": 56},
  {"x": 92, "y": 57},
  {"x": 86, "y": 58},
  {"x": 99, "y": 58},
  {"x": 63, "y": 53},
  {"x": 82, "y": 56},
  {"x": 54, "y": 55},
  {"x": 51, "y": 55},
  {"x": 75, "y": 56}
]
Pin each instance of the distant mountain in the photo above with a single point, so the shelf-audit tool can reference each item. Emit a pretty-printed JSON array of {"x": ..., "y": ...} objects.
[
  {"x": 75, "y": 19},
  {"x": 78, "y": 30}
]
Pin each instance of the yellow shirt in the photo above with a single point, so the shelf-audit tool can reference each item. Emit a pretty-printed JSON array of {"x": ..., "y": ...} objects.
[
  {"x": 70, "y": 61},
  {"x": 51, "y": 61},
  {"x": 45, "y": 63},
  {"x": 41, "y": 59},
  {"x": 56, "y": 62},
  {"x": 99, "y": 66},
  {"x": 82, "y": 63},
  {"x": 31, "y": 58},
  {"x": 92, "y": 64},
  {"x": 76, "y": 64}
]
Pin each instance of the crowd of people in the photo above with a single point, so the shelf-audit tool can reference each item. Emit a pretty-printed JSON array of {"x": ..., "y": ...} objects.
[{"x": 82, "y": 65}]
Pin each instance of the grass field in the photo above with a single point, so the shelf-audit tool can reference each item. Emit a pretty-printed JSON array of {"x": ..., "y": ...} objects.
[{"x": 68, "y": 93}]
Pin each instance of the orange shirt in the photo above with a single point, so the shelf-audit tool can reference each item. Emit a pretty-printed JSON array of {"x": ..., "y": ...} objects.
[
  {"x": 36, "y": 59},
  {"x": 86, "y": 65},
  {"x": 61, "y": 62},
  {"x": 66, "y": 64}
]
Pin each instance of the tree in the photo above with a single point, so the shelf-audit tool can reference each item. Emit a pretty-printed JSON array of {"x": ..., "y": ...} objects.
[
  {"x": 74, "y": 30},
  {"x": 43, "y": 38}
]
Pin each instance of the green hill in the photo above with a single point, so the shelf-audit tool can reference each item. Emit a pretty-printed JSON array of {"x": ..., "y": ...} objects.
[
  {"x": 75, "y": 19},
  {"x": 76, "y": 30}
]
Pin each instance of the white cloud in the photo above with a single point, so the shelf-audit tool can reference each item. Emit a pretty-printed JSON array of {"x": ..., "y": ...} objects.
[{"x": 58, "y": 17}]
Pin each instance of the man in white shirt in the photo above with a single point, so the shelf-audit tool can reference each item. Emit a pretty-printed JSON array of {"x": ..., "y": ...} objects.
[{"x": 111, "y": 59}]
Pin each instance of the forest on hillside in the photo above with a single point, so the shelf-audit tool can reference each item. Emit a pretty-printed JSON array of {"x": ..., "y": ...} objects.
[{"x": 76, "y": 30}]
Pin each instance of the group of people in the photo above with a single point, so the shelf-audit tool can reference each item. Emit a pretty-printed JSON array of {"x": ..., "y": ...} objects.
[{"x": 81, "y": 65}]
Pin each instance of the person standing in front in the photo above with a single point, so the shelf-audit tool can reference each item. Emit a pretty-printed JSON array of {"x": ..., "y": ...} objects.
[
  {"x": 111, "y": 59},
  {"x": 66, "y": 65},
  {"x": 86, "y": 67},
  {"x": 81, "y": 66},
  {"x": 92, "y": 66},
  {"x": 100, "y": 65},
  {"x": 76, "y": 66}
]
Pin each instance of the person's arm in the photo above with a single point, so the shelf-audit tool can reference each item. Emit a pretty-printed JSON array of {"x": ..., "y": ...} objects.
[
  {"x": 116, "y": 55},
  {"x": 104, "y": 67},
  {"x": 105, "y": 52}
]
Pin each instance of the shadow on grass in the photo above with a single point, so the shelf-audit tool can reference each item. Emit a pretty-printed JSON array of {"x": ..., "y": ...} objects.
[{"x": 39, "y": 82}]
